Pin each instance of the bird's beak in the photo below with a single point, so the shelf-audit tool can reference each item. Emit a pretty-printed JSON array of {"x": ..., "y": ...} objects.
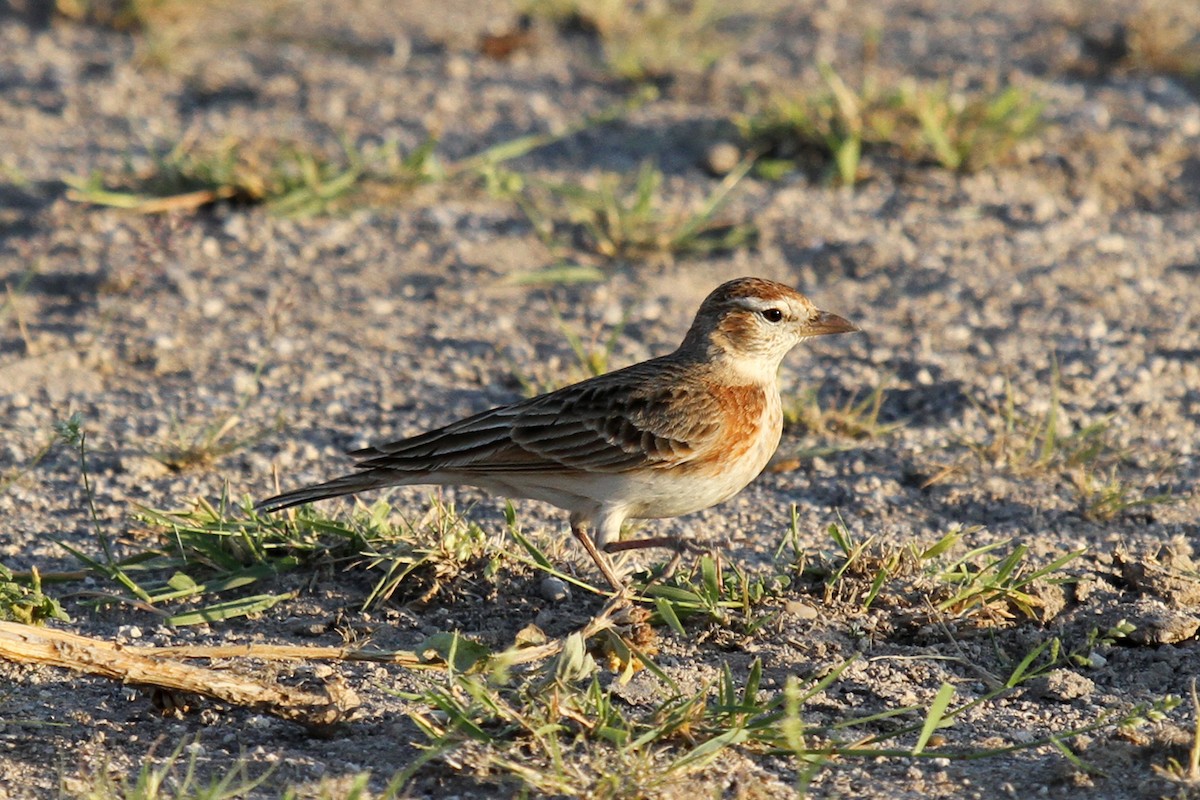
[{"x": 827, "y": 323}]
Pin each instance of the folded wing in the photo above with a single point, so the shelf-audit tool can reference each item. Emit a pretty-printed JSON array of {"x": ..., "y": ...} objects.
[{"x": 626, "y": 419}]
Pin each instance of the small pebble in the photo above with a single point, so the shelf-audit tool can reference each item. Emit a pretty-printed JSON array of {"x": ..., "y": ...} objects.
[
  {"x": 1164, "y": 626},
  {"x": 1062, "y": 685},
  {"x": 554, "y": 589},
  {"x": 721, "y": 158},
  {"x": 245, "y": 384},
  {"x": 212, "y": 307},
  {"x": 800, "y": 609},
  {"x": 458, "y": 68}
]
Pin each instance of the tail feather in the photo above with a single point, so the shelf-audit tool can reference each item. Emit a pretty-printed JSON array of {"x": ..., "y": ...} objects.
[{"x": 346, "y": 484}]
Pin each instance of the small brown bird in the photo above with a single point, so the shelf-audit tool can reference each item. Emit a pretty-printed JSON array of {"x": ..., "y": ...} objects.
[{"x": 658, "y": 439}]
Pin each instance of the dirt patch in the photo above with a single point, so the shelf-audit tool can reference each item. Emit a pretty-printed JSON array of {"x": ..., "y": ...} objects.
[{"x": 1033, "y": 328}]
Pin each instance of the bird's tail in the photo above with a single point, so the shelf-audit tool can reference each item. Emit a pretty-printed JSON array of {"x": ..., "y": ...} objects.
[{"x": 347, "y": 484}]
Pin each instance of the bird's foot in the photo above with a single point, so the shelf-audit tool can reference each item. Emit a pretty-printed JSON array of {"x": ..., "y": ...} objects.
[{"x": 679, "y": 547}]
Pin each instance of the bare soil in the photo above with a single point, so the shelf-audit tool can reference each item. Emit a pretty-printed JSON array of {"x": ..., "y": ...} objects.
[{"x": 1080, "y": 258}]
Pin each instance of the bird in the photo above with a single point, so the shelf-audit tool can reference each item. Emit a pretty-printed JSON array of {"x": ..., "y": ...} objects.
[{"x": 657, "y": 439}]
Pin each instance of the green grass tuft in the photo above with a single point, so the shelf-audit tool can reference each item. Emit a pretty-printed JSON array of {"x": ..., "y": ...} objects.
[
  {"x": 22, "y": 600},
  {"x": 833, "y": 129},
  {"x": 623, "y": 218},
  {"x": 647, "y": 41}
]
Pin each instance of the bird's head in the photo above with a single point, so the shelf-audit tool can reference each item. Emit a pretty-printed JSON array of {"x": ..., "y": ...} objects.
[{"x": 752, "y": 323}]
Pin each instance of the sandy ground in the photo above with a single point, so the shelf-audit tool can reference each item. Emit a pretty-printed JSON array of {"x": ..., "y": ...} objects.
[{"x": 328, "y": 332}]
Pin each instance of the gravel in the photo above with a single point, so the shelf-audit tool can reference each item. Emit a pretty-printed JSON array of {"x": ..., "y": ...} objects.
[{"x": 326, "y": 333}]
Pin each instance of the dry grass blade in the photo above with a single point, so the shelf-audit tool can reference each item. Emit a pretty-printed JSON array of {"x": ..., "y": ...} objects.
[
  {"x": 281, "y": 652},
  {"x": 26, "y": 645},
  {"x": 1186, "y": 775}
]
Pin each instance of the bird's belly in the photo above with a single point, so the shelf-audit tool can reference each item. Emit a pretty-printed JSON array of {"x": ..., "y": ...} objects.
[
  {"x": 643, "y": 495},
  {"x": 674, "y": 494}
]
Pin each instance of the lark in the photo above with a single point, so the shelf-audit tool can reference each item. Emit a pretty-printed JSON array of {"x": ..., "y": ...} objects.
[{"x": 663, "y": 438}]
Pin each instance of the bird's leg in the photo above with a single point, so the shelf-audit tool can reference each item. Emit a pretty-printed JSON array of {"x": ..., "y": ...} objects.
[
  {"x": 663, "y": 542},
  {"x": 676, "y": 544},
  {"x": 585, "y": 539}
]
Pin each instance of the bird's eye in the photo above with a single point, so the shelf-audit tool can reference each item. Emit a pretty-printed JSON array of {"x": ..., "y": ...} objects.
[{"x": 772, "y": 314}]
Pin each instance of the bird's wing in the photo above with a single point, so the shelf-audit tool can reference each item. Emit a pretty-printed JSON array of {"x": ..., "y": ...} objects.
[{"x": 642, "y": 416}]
